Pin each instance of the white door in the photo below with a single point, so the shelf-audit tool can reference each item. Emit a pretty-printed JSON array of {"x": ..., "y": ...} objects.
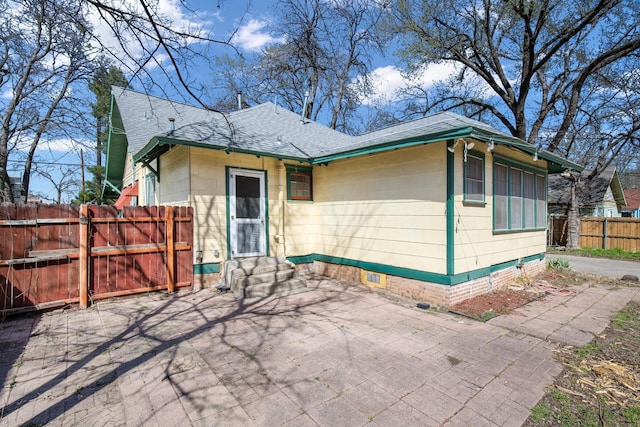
[{"x": 247, "y": 213}]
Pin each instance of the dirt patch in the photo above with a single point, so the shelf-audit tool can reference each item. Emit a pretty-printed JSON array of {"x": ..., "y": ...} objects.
[
  {"x": 600, "y": 384},
  {"x": 492, "y": 304}
]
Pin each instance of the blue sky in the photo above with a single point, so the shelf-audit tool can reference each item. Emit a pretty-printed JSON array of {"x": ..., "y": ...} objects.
[{"x": 246, "y": 24}]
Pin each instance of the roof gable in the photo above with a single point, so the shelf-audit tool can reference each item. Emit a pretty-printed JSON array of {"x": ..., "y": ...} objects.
[{"x": 589, "y": 191}]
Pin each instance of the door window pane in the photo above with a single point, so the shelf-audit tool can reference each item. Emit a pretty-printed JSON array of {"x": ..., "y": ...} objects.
[{"x": 247, "y": 197}]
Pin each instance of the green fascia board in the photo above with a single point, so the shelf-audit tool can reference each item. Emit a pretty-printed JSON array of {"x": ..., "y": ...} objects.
[
  {"x": 393, "y": 145},
  {"x": 117, "y": 146},
  {"x": 160, "y": 144},
  {"x": 206, "y": 268},
  {"x": 408, "y": 273},
  {"x": 556, "y": 163}
]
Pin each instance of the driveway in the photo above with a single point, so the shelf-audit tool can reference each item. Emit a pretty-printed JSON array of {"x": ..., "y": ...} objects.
[
  {"x": 333, "y": 356},
  {"x": 601, "y": 266}
]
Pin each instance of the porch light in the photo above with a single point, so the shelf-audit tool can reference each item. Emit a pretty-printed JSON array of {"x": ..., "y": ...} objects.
[{"x": 491, "y": 145}]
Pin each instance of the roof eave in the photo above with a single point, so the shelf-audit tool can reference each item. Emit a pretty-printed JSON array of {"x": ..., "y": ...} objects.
[
  {"x": 556, "y": 164},
  {"x": 161, "y": 144},
  {"x": 394, "y": 145},
  {"x": 117, "y": 145}
]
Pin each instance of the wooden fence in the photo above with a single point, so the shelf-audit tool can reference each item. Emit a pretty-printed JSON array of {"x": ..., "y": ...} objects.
[
  {"x": 599, "y": 232},
  {"x": 52, "y": 255}
]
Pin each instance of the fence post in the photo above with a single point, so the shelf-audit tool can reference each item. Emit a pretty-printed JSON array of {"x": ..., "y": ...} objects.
[
  {"x": 84, "y": 256},
  {"x": 171, "y": 263},
  {"x": 605, "y": 233}
]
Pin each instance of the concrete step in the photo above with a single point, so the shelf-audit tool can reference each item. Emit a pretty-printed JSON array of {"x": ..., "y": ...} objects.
[
  {"x": 234, "y": 269},
  {"x": 241, "y": 282},
  {"x": 281, "y": 288}
]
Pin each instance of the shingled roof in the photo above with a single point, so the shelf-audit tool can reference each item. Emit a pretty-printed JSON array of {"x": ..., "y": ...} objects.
[
  {"x": 140, "y": 124},
  {"x": 632, "y": 196},
  {"x": 589, "y": 191}
]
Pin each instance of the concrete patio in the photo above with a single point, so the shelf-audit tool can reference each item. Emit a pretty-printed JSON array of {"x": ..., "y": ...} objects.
[{"x": 336, "y": 355}]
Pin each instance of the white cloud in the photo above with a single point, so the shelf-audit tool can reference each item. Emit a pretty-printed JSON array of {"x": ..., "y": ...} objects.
[
  {"x": 388, "y": 81},
  {"x": 254, "y": 36},
  {"x": 181, "y": 19}
]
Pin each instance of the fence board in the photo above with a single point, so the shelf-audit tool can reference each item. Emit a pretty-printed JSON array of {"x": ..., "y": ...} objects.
[
  {"x": 599, "y": 232},
  {"x": 40, "y": 262}
]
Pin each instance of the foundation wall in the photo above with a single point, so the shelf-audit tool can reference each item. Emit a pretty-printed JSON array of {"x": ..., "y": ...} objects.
[{"x": 432, "y": 293}]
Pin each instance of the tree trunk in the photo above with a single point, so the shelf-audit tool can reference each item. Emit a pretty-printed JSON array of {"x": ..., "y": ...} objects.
[{"x": 573, "y": 219}]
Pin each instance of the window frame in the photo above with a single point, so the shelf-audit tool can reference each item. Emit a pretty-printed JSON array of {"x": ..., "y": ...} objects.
[
  {"x": 305, "y": 171},
  {"x": 514, "y": 167},
  {"x": 483, "y": 180}
]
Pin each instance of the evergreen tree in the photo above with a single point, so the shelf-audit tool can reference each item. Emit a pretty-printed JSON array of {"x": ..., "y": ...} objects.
[{"x": 100, "y": 85}]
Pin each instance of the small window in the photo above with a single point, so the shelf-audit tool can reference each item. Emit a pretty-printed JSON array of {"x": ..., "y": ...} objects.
[
  {"x": 474, "y": 178},
  {"x": 299, "y": 183},
  {"x": 150, "y": 190}
]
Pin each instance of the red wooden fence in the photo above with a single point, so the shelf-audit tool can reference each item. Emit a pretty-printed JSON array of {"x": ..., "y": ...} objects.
[{"x": 52, "y": 255}]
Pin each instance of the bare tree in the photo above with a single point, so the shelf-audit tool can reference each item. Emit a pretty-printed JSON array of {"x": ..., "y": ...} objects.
[
  {"x": 556, "y": 73},
  {"x": 46, "y": 53},
  {"x": 64, "y": 181},
  {"x": 327, "y": 45},
  {"x": 43, "y": 56}
]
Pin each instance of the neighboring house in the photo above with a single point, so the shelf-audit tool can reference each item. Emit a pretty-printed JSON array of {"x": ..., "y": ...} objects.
[
  {"x": 440, "y": 208},
  {"x": 601, "y": 196},
  {"x": 632, "y": 197}
]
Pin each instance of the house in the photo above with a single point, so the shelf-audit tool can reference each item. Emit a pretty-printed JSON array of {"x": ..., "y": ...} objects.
[
  {"x": 632, "y": 197},
  {"x": 600, "y": 196},
  {"x": 439, "y": 209}
]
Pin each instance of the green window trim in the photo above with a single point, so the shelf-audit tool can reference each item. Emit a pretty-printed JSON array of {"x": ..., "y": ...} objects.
[
  {"x": 473, "y": 157},
  {"x": 517, "y": 213},
  {"x": 299, "y": 183}
]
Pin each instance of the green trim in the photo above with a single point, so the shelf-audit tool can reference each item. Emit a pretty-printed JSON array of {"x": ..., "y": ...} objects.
[
  {"x": 158, "y": 145},
  {"x": 117, "y": 146},
  {"x": 450, "y": 209},
  {"x": 303, "y": 170},
  {"x": 151, "y": 169},
  {"x": 394, "y": 145},
  {"x": 113, "y": 187},
  {"x": 266, "y": 213},
  {"x": 517, "y": 164},
  {"x": 228, "y": 186},
  {"x": 408, "y": 273},
  {"x": 207, "y": 268},
  {"x": 556, "y": 163},
  {"x": 478, "y": 155},
  {"x": 524, "y": 168},
  {"x": 266, "y": 206}
]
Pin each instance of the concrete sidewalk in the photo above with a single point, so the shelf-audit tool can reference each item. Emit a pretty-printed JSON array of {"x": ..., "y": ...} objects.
[
  {"x": 612, "y": 268},
  {"x": 334, "y": 356}
]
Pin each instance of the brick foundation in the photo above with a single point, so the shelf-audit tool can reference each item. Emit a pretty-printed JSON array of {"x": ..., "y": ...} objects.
[{"x": 432, "y": 292}]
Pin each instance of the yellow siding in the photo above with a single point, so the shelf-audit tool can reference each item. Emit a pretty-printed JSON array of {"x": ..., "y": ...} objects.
[
  {"x": 383, "y": 208},
  {"x": 174, "y": 176},
  {"x": 476, "y": 246}
]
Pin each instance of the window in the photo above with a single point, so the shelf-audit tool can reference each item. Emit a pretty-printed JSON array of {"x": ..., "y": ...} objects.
[
  {"x": 501, "y": 197},
  {"x": 474, "y": 178},
  {"x": 299, "y": 183},
  {"x": 529, "y": 201},
  {"x": 150, "y": 190},
  {"x": 516, "y": 199},
  {"x": 519, "y": 197},
  {"x": 541, "y": 202}
]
